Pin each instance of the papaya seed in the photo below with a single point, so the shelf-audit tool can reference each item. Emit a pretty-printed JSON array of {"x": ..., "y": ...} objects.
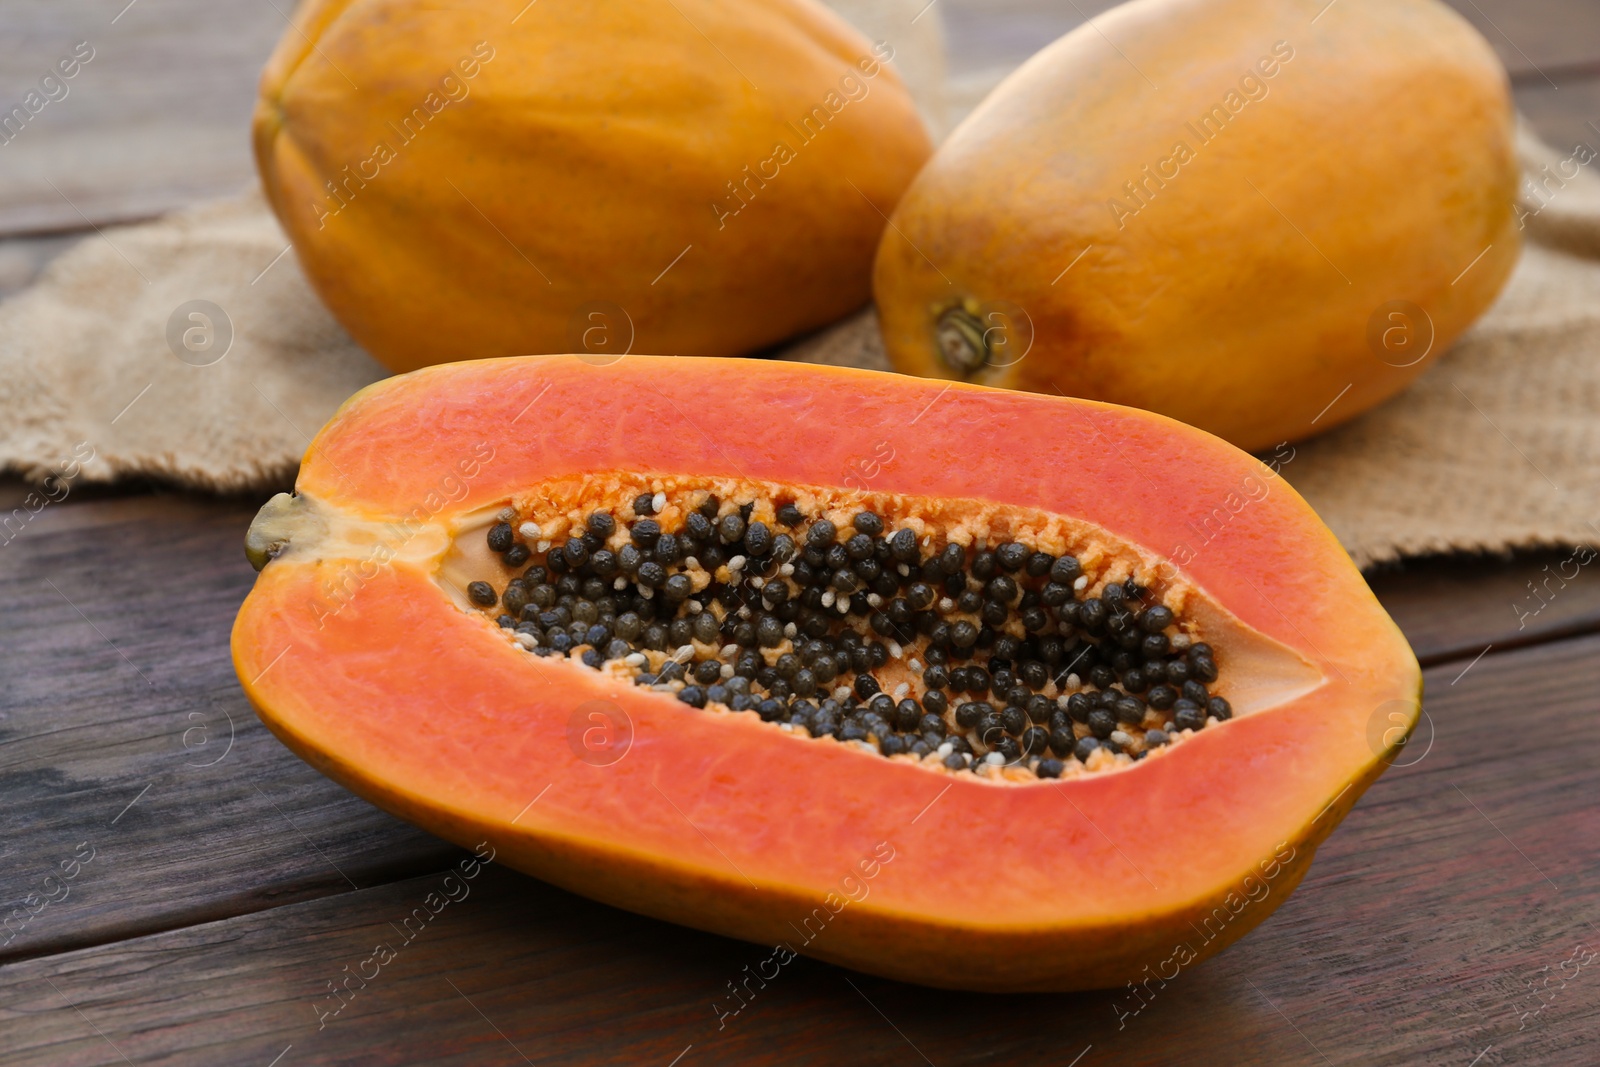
[{"x": 991, "y": 656}]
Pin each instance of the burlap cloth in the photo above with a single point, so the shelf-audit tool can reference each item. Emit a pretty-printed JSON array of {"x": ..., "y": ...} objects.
[{"x": 1495, "y": 447}]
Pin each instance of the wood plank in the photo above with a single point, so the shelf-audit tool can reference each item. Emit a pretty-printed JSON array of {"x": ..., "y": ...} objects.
[
  {"x": 1544, "y": 42},
  {"x": 122, "y": 725},
  {"x": 158, "y": 118},
  {"x": 1002, "y": 33},
  {"x": 1454, "y": 607},
  {"x": 1565, "y": 117},
  {"x": 1447, "y": 921}
]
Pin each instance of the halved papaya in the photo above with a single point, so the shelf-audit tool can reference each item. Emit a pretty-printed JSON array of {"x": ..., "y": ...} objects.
[{"x": 959, "y": 686}]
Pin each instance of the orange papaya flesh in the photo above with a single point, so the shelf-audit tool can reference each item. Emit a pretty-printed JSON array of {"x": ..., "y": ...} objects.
[{"x": 361, "y": 647}]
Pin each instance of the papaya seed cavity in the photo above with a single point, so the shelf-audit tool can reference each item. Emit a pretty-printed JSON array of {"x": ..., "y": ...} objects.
[{"x": 965, "y": 636}]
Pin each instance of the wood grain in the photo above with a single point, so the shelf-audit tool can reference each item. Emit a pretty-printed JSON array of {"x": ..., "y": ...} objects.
[
  {"x": 1564, "y": 117},
  {"x": 1455, "y": 607},
  {"x": 118, "y": 688},
  {"x": 1541, "y": 42},
  {"x": 157, "y": 119},
  {"x": 1453, "y": 885}
]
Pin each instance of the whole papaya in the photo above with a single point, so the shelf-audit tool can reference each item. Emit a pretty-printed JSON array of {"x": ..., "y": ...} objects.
[
  {"x": 1251, "y": 215},
  {"x": 495, "y": 177}
]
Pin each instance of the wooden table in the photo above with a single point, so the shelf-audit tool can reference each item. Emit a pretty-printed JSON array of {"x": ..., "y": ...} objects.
[{"x": 220, "y": 885}]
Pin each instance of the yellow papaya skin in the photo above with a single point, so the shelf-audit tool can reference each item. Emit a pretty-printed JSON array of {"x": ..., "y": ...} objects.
[
  {"x": 1243, "y": 214},
  {"x": 487, "y": 178}
]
